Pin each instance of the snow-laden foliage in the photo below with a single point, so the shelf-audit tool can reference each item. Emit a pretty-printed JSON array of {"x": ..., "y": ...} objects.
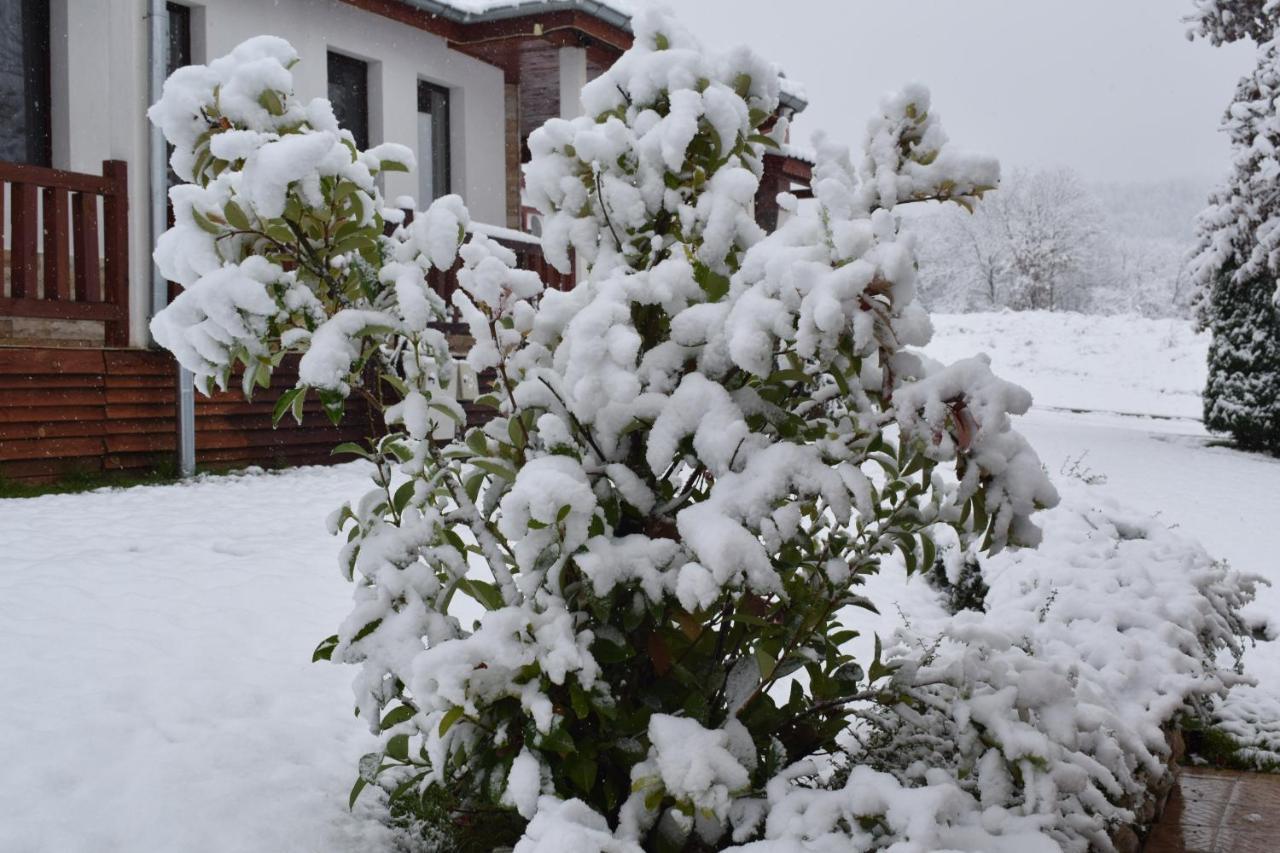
[
  {"x": 1225, "y": 21},
  {"x": 698, "y": 456},
  {"x": 1052, "y": 703},
  {"x": 1236, "y": 265}
]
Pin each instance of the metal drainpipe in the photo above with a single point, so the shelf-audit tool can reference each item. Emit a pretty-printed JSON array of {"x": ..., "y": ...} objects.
[{"x": 158, "y": 36}]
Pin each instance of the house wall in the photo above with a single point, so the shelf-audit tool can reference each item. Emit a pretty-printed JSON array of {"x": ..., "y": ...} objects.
[{"x": 99, "y": 82}]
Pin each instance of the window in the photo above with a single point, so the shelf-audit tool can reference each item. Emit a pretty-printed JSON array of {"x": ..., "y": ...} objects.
[
  {"x": 433, "y": 142},
  {"x": 179, "y": 56},
  {"x": 179, "y": 36},
  {"x": 24, "y": 82},
  {"x": 349, "y": 94}
]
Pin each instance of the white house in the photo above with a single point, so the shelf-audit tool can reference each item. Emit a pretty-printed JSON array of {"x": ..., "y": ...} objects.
[
  {"x": 450, "y": 79},
  {"x": 83, "y": 178}
]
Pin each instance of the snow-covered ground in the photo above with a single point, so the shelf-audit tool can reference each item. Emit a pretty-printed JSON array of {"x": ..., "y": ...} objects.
[
  {"x": 157, "y": 686},
  {"x": 1070, "y": 361}
]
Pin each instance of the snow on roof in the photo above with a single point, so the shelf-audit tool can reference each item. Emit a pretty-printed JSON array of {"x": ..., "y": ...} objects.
[
  {"x": 798, "y": 152},
  {"x": 794, "y": 88},
  {"x": 616, "y": 12}
]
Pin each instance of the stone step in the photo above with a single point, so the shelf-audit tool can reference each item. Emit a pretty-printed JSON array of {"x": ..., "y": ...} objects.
[{"x": 1219, "y": 811}]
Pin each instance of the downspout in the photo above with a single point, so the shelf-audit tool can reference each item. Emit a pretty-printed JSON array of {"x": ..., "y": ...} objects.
[{"x": 158, "y": 37}]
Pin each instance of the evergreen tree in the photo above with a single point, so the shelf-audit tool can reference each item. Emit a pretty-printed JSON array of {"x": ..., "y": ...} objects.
[{"x": 1237, "y": 261}]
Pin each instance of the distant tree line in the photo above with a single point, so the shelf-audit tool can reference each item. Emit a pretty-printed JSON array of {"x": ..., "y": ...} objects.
[{"x": 1048, "y": 241}]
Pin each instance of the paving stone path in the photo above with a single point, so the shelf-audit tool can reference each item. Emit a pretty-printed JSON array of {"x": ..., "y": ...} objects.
[{"x": 1219, "y": 811}]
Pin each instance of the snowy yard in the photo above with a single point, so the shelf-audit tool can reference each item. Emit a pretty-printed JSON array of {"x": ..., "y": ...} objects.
[{"x": 158, "y": 691}]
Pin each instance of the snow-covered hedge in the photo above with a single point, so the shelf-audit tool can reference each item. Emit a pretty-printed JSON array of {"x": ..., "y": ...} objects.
[
  {"x": 700, "y": 455},
  {"x": 1051, "y": 705}
]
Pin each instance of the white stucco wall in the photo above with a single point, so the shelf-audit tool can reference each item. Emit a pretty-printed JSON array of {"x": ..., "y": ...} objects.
[{"x": 100, "y": 95}]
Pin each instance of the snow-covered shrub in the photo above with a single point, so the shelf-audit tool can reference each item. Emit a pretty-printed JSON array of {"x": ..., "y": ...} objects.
[
  {"x": 1049, "y": 708},
  {"x": 1236, "y": 264},
  {"x": 699, "y": 453}
]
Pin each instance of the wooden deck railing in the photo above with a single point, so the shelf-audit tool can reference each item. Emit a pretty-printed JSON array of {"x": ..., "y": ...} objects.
[
  {"x": 528, "y": 251},
  {"x": 68, "y": 246}
]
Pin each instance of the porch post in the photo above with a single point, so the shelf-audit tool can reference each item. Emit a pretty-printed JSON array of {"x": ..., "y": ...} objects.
[{"x": 573, "y": 76}]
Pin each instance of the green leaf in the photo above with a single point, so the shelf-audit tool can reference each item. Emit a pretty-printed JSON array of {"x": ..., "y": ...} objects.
[
  {"x": 765, "y": 662},
  {"x": 324, "y": 651},
  {"x": 712, "y": 283},
  {"x": 450, "y": 717},
  {"x": 398, "y": 747},
  {"x": 236, "y": 216},
  {"x": 397, "y": 383},
  {"x": 355, "y": 793},
  {"x": 487, "y": 594},
  {"x": 495, "y": 468},
  {"x": 579, "y": 700},
  {"x": 478, "y": 443},
  {"x": 270, "y": 101},
  {"x": 766, "y": 141},
  {"x": 352, "y": 448},
  {"x": 394, "y": 166},
  {"x": 558, "y": 740},
  {"x": 447, "y": 411},
  {"x": 285, "y": 403},
  {"x": 582, "y": 771},
  {"x": 280, "y": 232},
  {"x": 473, "y": 484},
  {"x": 355, "y": 243},
  {"x": 515, "y": 432},
  {"x": 204, "y": 223},
  {"x": 402, "y": 496},
  {"x": 396, "y": 716},
  {"x": 366, "y": 630}
]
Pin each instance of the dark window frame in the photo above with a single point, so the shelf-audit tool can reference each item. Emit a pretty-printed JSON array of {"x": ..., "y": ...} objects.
[
  {"x": 433, "y": 101},
  {"x": 179, "y": 55},
  {"x": 352, "y": 75},
  {"x": 37, "y": 96},
  {"x": 179, "y": 36}
]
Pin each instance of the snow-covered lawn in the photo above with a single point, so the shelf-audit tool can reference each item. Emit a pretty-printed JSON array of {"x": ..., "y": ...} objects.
[
  {"x": 158, "y": 692},
  {"x": 1070, "y": 361},
  {"x": 156, "y": 689}
]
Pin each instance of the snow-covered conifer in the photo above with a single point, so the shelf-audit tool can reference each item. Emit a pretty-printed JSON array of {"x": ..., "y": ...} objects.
[{"x": 1236, "y": 265}]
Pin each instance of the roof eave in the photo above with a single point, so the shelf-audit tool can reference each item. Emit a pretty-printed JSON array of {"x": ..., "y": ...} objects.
[{"x": 605, "y": 13}]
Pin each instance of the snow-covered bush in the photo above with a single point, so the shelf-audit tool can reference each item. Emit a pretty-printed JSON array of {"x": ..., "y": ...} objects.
[
  {"x": 1236, "y": 265},
  {"x": 617, "y": 616},
  {"x": 1049, "y": 709}
]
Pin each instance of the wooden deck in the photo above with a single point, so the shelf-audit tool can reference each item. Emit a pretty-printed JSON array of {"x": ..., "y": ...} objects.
[{"x": 68, "y": 255}]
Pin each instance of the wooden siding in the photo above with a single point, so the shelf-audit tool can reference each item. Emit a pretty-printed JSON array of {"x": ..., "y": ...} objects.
[{"x": 68, "y": 411}]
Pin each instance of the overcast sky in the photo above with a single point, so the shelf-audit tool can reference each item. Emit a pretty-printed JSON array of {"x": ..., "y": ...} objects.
[{"x": 1111, "y": 88}]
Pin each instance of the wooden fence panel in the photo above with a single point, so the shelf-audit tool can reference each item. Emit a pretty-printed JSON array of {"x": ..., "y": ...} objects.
[{"x": 67, "y": 411}]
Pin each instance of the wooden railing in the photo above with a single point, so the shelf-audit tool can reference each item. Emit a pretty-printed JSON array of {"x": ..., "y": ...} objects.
[
  {"x": 68, "y": 246},
  {"x": 528, "y": 251}
]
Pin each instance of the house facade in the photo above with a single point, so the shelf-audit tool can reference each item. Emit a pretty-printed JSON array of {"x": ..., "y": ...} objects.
[{"x": 463, "y": 83}]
